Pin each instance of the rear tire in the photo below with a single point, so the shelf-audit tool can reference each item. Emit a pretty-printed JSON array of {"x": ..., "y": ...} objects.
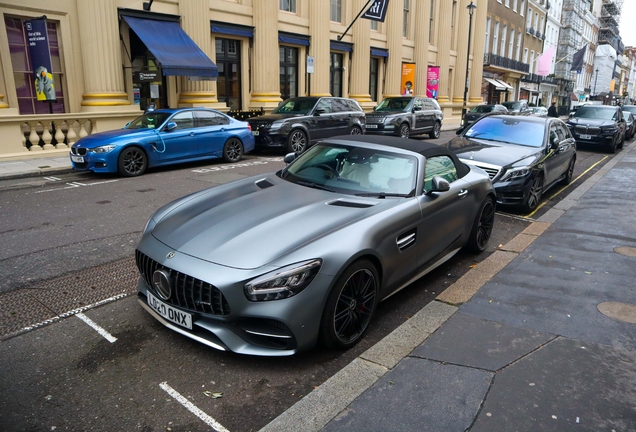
[
  {"x": 355, "y": 130},
  {"x": 350, "y": 306},
  {"x": 434, "y": 134},
  {"x": 132, "y": 162},
  {"x": 233, "y": 150},
  {"x": 569, "y": 174},
  {"x": 482, "y": 227}
]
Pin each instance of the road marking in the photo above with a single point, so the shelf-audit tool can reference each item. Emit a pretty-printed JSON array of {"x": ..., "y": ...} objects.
[
  {"x": 192, "y": 408},
  {"x": 110, "y": 338},
  {"x": 52, "y": 178},
  {"x": 262, "y": 161},
  {"x": 73, "y": 185}
]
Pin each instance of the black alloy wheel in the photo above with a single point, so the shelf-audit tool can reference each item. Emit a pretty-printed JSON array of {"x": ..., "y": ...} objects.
[
  {"x": 132, "y": 162},
  {"x": 622, "y": 143},
  {"x": 355, "y": 130},
  {"x": 350, "y": 306},
  {"x": 437, "y": 127},
  {"x": 405, "y": 130},
  {"x": 482, "y": 227},
  {"x": 569, "y": 174},
  {"x": 233, "y": 150},
  {"x": 297, "y": 141},
  {"x": 534, "y": 195}
]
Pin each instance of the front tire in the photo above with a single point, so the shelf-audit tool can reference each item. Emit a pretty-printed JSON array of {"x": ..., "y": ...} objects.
[
  {"x": 350, "y": 306},
  {"x": 355, "y": 130},
  {"x": 482, "y": 227},
  {"x": 434, "y": 134},
  {"x": 534, "y": 195},
  {"x": 132, "y": 162},
  {"x": 405, "y": 130},
  {"x": 233, "y": 150},
  {"x": 297, "y": 141}
]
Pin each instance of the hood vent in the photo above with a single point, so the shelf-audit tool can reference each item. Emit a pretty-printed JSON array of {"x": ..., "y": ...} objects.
[
  {"x": 351, "y": 204},
  {"x": 263, "y": 183}
]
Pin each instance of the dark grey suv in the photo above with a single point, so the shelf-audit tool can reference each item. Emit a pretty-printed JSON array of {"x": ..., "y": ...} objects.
[
  {"x": 599, "y": 125},
  {"x": 406, "y": 116},
  {"x": 299, "y": 122}
]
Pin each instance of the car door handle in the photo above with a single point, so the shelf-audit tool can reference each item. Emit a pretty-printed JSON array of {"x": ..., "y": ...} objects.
[
  {"x": 191, "y": 133},
  {"x": 463, "y": 194}
]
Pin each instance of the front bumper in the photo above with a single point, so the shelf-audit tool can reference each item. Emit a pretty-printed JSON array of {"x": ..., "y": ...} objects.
[
  {"x": 603, "y": 139},
  {"x": 381, "y": 129},
  {"x": 513, "y": 193},
  {"x": 267, "y": 139},
  {"x": 96, "y": 162}
]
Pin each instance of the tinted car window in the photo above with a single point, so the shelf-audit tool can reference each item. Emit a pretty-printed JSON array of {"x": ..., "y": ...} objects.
[
  {"x": 353, "y": 105},
  {"x": 184, "y": 120},
  {"x": 564, "y": 130},
  {"x": 630, "y": 108},
  {"x": 417, "y": 102},
  {"x": 441, "y": 166},
  {"x": 393, "y": 104},
  {"x": 339, "y": 105},
  {"x": 209, "y": 118},
  {"x": 150, "y": 120},
  {"x": 325, "y": 105},
  {"x": 508, "y": 129},
  {"x": 482, "y": 109},
  {"x": 299, "y": 106}
]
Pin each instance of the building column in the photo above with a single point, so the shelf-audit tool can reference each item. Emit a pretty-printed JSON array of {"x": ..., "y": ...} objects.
[
  {"x": 393, "y": 21},
  {"x": 420, "y": 56},
  {"x": 477, "y": 48},
  {"x": 319, "y": 19},
  {"x": 195, "y": 21},
  {"x": 443, "y": 49},
  {"x": 459, "y": 77},
  {"x": 265, "y": 75},
  {"x": 361, "y": 59},
  {"x": 101, "y": 57}
]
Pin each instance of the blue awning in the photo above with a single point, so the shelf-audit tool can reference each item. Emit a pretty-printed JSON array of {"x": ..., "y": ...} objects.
[
  {"x": 175, "y": 51},
  {"x": 292, "y": 38},
  {"x": 232, "y": 29},
  {"x": 379, "y": 52},
  {"x": 340, "y": 46}
]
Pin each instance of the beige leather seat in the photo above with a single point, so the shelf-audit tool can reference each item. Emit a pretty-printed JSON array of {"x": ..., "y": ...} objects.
[{"x": 356, "y": 171}]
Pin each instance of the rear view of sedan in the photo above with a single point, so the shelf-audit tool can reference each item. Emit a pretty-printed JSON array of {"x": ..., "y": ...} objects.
[{"x": 523, "y": 155}]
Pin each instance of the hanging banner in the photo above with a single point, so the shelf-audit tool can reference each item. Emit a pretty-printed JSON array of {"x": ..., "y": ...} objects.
[
  {"x": 408, "y": 78},
  {"x": 377, "y": 11},
  {"x": 40, "y": 55},
  {"x": 432, "y": 82}
]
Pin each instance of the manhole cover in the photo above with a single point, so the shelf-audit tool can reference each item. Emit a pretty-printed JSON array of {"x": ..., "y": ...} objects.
[
  {"x": 626, "y": 250},
  {"x": 619, "y": 311}
]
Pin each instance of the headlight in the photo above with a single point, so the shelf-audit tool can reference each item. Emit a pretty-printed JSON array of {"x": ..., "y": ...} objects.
[
  {"x": 612, "y": 128},
  {"x": 516, "y": 173},
  {"x": 284, "y": 282},
  {"x": 102, "y": 149}
]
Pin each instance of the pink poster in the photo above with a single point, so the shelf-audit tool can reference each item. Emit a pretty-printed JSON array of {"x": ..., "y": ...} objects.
[{"x": 432, "y": 82}]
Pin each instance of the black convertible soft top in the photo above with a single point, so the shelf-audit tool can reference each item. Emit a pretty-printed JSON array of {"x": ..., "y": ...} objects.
[{"x": 424, "y": 148}]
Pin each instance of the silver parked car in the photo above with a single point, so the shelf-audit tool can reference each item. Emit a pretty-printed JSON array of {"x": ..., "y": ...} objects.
[{"x": 272, "y": 264}]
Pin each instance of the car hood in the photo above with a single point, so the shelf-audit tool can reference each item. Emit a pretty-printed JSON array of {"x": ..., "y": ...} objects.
[
  {"x": 103, "y": 138},
  {"x": 491, "y": 152},
  {"x": 244, "y": 226},
  {"x": 590, "y": 122}
]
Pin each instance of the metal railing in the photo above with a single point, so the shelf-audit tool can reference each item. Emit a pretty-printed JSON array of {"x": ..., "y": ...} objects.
[{"x": 504, "y": 62}]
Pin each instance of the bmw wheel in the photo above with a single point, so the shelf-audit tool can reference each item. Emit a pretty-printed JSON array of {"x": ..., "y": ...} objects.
[
  {"x": 436, "y": 130},
  {"x": 355, "y": 131},
  {"x": 132, "y": 162},
  {"x": 297, "y": 141},
  {"x": 405, "y": 130},
  {"x": 482, "y": 227},
  {"x": 350, "y": 306},
  {"x": 534, "y": 195},
  {"x": 233, "y": 150}
]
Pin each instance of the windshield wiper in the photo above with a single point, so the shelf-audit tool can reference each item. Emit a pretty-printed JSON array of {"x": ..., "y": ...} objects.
[
  {"x": 382, "y": 194},
  {"x": 314, "y": 185}
]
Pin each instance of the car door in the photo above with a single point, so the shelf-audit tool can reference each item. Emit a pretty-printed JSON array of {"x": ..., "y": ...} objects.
[
  {"x": 321, "y": 124},
  {"x": 211, "y": 132},
  {"x": 341, "y": 116},
  {"x": 422, "y": 114},
  {"x": 557, "y": 158},
  {"x": 444, "y": 214},
  {"x": 180, "y": 142}
]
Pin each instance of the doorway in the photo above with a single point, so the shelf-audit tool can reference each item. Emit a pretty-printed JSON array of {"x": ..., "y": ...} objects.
[{"x": 228, "y": 83}]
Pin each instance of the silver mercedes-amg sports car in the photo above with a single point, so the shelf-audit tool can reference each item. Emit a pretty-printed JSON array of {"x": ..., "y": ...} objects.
[{"x": 273, "y": 264}]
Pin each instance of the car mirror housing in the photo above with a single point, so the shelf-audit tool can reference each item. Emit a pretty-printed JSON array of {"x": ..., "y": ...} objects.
[
  {"x": 170, "y": 126},
  {"x": 439, "y": 185},
  {"x": 289, "y": 158},
  {"x": 319, "y": 111}
]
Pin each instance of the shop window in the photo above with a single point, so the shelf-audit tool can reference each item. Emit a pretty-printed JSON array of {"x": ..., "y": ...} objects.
[
  {"x": 288, "y": 72},
  {"x": 335, "y": 74},
  {"x": 23, "y": 73},
  {"x": 373, "y": 79}
]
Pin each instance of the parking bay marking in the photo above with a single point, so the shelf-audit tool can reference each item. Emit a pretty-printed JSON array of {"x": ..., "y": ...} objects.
[
  {"x": 192, "y": 408},
  {"x": 76, "y": 185},
  {"x": 110, "y": 338}
]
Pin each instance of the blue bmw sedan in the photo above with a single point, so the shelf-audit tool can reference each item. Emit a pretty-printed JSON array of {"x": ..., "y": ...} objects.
[{"x": 163, "y": 137}]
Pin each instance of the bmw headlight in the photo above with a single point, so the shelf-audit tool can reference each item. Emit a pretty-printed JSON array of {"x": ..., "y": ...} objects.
[
  {"x": 610, "y": 129},
  {"x": 284, "y": 282},
  {"x": 516, "y": 173},
  {"x": 102, "y": 149}
]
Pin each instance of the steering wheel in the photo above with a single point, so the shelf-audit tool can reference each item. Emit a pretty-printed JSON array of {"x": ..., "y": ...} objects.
[{"x": 329, "y": 168}]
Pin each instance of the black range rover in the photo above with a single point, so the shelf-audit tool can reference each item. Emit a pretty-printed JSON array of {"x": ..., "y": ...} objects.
[
  {"x": 405, "y": 116},
  {"x": 299, "y": 122}
]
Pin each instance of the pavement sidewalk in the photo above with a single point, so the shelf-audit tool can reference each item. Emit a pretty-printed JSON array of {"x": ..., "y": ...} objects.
[
  {"x": 540, "y": 336},
  {"x": 35, "y": 167}
]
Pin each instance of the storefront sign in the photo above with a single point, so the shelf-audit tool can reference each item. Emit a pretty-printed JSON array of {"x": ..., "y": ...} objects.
[
  {"x": 408, "y": 78},
  {"x": 146, "y": 76},
  {"x": 310, "y": 64},
  {"x": 40, "y": 55},
  {"x": 432, "y": 82}
]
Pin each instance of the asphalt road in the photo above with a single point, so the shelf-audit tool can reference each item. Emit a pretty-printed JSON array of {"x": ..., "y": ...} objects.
[{"x": 70, "y": 376}]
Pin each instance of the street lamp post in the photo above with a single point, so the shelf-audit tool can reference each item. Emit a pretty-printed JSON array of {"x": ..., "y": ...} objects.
[
  {"x": 471, "y": 8},
  {"x": 595, "y": 79}
]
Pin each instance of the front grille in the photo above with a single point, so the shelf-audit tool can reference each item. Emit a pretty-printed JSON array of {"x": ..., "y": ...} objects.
[
  {"x": 587, "y": 130},
  {"x": 256, "y": 125},
  {"x": 187, "y": 292},
  {"x": 78, "y": 151}
]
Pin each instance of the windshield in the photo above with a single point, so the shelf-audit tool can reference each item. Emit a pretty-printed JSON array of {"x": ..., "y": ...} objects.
[
  {"x": 598, "y": 113},
  {"x": 394, "y": 104},
  {"x": 354, "y": 170},
  {"x": 151, "y": 120},
  {"x": 627, "y": 114},
  {"x": 630, "y": 108},
  {"x": 514, "y": 130},
  {"x": 296, "y": 106},
  {"x": 482, "y": 109},
  {"x": 512, "y": 106}
]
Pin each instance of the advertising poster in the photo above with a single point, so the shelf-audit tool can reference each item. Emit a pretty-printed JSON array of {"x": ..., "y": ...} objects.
[
  {"x": 40, "y": 55},
  {"x": 408, "y": 78},
  {"x": 432, "y": 82}
]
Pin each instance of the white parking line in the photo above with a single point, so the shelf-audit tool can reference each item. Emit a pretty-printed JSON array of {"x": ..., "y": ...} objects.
[
  {"x": 110, "y": 338},
  {"x": 76, "y": 185},
  {"x": 52, "y": 178},
  {"x": 192, "y": 408}
]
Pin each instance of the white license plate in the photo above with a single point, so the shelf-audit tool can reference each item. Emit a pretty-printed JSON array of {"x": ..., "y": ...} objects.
[
  {"x": 585, "y": 136},
  {"x": 77, "y": 159},
  {"x": 371, "y": 126},
  {"x": 177, "y": 316},
  {"x": 255, "y": 133}
]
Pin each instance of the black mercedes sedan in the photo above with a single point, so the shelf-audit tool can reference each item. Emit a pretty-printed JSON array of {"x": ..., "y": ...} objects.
[
  {"x": 599, "y": 126},
  {"x": 523, "y": 155},
  {"x": 300, "y": 122}
]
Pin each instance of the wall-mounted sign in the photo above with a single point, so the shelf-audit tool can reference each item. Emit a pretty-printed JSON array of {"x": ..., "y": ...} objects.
[
  {"x": 408, "y": 77},
  {"x": 40, "y": 54},
  {"x": 146, "y": 76},
  {"x": 432, "y": 82},
  {"x": 310, "y": 64}
]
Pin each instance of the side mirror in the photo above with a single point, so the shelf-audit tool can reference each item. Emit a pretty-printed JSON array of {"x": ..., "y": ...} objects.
[
  {"x": 417, "y": 108},
  {"x": 460, "y": 130},
  {"x": 170, "y": 126},
  {"x": 319, "y": 111},
  {"x": 439, "y": 185},
  {"x": 289, "y": 158},
  {"x": 554, "y": 144}
]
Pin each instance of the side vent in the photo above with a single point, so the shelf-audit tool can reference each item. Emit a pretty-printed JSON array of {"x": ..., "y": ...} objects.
[
  {"x": 406, "y": 240},
  {"x": 263, "y": 183},
  {"x": 351, "y": 204}
]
